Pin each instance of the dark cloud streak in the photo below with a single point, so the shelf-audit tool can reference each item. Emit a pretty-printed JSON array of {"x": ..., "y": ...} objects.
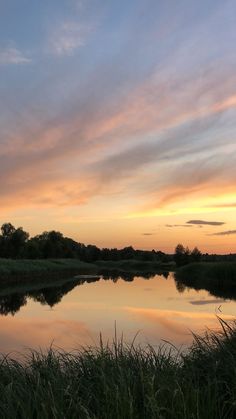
[
  {"x": 223, "y": 233},
  {"x": 202, "y": 222}
]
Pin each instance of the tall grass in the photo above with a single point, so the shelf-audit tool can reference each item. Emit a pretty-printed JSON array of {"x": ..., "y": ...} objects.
[{"x": 124, "y": 381}]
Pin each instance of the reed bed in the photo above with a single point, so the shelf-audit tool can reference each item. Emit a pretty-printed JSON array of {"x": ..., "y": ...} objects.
[{"x": 124, "y": 381}]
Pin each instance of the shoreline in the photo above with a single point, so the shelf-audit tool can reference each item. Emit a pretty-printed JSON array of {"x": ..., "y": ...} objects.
[{"x": 17, "y": 271}]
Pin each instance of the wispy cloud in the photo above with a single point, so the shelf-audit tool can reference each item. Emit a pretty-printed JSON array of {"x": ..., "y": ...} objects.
[
  {"x": 223, "y": 233},
  {"x": 177, "y": 225},
  {"x": 208, "y": 223},
  {"x": 223, "y": 205},
  {"x": 11, "y": 55},
  {"x": 204, "y": 302},
  {"x": 69, "y": 37},
  {"x": 157, "y": 129}
]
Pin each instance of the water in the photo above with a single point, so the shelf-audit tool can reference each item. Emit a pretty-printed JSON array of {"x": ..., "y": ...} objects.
[{"x": 71, "y": 313}]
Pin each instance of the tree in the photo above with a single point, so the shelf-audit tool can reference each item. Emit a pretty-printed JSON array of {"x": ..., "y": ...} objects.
[
  {"x": 12, "y": 241},
  {"x": 7, "y": 230},
  {"x": 182, "y": 255},
  {"x": 179, "y": 256},
  {"x": 196, "y": 255},
  {"x": 18, "y": 239}
]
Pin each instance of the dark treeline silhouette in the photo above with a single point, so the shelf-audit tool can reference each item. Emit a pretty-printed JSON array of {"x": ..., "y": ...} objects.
[
  {"x": 16, "y": 243},
  {"x": 184, "y": 256}
]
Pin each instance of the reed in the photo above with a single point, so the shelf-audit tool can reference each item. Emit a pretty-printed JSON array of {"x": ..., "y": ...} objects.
[{"x": 124, "y": 381}]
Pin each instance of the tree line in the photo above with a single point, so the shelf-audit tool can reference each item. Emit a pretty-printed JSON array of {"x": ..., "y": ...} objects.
[{"x": 16, "y": 243}]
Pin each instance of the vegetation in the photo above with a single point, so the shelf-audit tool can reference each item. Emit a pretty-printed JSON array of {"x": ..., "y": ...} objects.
[
  {"x": 44, "y": 270},
  {"x": 23, "y": 268},
  {"x": 16, "y": 244},
  {"x": 183, "y": 255},
  {"x": 219, "y": 278},
  {"x": 124, "y": 381}
]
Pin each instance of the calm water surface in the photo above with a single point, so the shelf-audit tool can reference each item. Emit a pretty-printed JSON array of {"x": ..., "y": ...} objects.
[{"x": 72, "y": 314}]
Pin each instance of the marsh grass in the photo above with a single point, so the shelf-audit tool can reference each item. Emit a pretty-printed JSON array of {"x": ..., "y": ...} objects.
[
  {"x": 124, "y": 381},
  {"x": 27, "y": 271},
  {"x": 23, "y": 271}
]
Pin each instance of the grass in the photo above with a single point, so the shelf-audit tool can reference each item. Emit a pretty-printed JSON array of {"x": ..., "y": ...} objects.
[
  {"x": 21, "y": 270},
  {"x": 219, "y": 278},
  {"x": 118, "y": 381}
]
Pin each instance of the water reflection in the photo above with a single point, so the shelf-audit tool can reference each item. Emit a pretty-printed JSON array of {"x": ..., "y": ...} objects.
[
  {"x": 10, "y": 304},
  {"x": 12, "y": 301},
  {"x": 157, "y": 306},
  {"x": 215, "y": 288}
]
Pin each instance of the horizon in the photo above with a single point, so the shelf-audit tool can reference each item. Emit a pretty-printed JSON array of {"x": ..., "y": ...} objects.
[{"x": 118, "y": 122}]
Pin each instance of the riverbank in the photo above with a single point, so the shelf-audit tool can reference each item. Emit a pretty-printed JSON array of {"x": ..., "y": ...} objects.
[
  {"x": 121, "y": 381},
  {"x": 219, "y": 278},
  {"x": 20, "y": 270}
]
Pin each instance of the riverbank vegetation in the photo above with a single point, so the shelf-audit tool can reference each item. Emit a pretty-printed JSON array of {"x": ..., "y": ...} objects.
[
  {"x": 15, "y": 243},
  {"x": 124, "y": 381},
  {"x": 219, "y": 278},
  {"x": 20, "y": 269}
]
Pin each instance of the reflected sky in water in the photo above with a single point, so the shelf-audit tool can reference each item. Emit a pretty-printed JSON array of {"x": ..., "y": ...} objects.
[{"x": 71, "y": 314}]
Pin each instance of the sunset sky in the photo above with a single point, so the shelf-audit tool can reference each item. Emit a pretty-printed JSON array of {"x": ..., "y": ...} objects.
[{"x": 118, "y": 121}]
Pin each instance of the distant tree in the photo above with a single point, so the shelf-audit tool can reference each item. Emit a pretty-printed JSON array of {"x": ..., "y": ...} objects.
[
  {"x": 196, "y": 255},
  {"x": 127, "y": 252},
  {"x": 12, "y": 241},
  {"x": 33, "y": 250},
  {"x": 7, "y": 230},
  {"x": 179, "y": 256},
  {"x": 182, "y": 255},
  {"x": 92, "y": 253},
  {"x": 18, "y": 240}
]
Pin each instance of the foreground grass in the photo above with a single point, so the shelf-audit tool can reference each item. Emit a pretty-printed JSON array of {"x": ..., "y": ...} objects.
[
  {"x": 119, "y": 381},
  {"x": 219, "y": 278}
]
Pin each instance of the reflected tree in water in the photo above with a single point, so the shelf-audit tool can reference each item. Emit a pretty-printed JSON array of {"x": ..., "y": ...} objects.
[{"x": 10, "y": 304}]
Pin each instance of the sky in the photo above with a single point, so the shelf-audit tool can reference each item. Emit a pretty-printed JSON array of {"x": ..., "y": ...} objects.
[{"x": 118, "y": 121}]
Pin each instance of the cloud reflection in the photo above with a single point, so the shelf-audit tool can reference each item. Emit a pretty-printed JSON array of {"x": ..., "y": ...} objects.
[{"x": 174, "y": 324}]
